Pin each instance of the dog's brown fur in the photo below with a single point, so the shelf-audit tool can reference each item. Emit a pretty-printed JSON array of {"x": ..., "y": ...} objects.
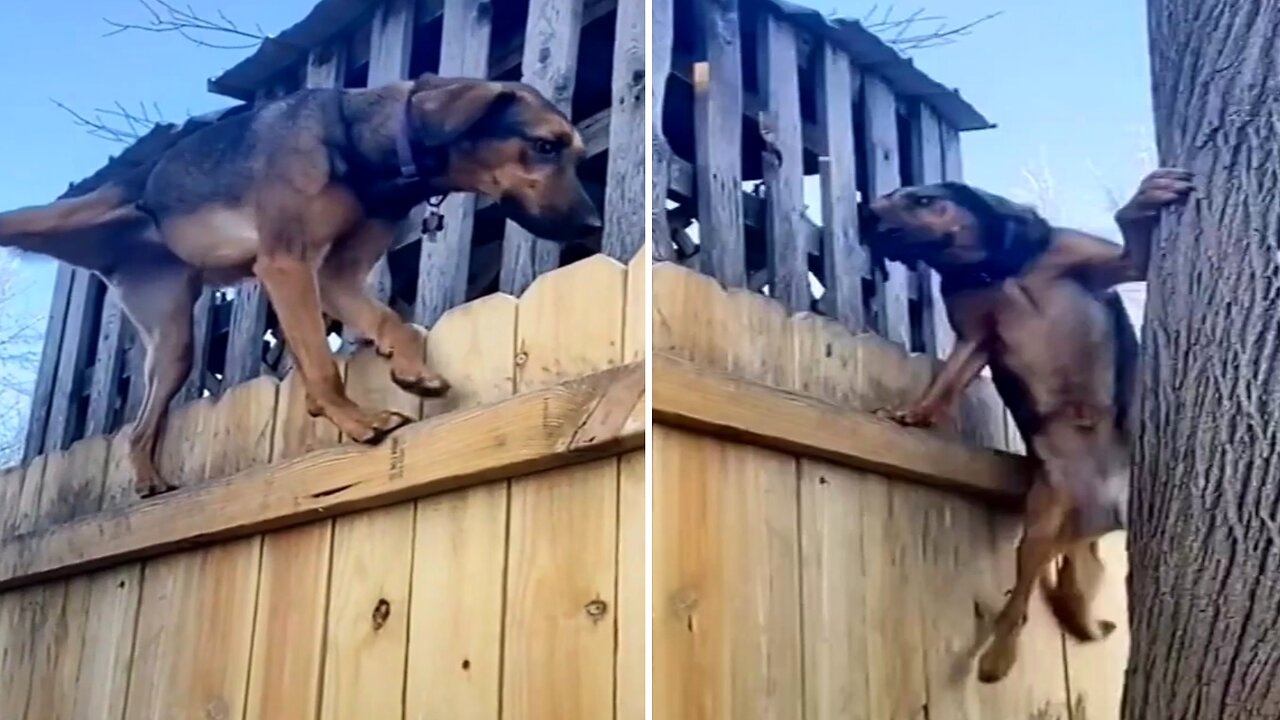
[
  {"x": 304, "y": 193},
  {"x": 1035, "y": 303}
]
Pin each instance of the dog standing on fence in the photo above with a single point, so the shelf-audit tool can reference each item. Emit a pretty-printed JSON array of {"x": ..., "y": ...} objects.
[
  {"x": 305, "y": 193},
  {"x": 1036, "y": 304}
]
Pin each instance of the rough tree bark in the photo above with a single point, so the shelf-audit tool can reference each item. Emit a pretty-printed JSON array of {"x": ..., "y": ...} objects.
[{"x": 1205, "y": 538}]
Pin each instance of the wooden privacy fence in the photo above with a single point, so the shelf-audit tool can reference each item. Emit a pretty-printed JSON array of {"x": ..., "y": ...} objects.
[
  {"x": 487, "y": 562},
  {"x": 796, "y": 107},
  {"x": 89, "y": 381},
  {"x": 813, "y": 562}
]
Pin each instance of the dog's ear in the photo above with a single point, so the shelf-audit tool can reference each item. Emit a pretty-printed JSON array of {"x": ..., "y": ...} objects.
[
  {"x": 1011, "y": 230},
  {"x": 446, "y": 108}
]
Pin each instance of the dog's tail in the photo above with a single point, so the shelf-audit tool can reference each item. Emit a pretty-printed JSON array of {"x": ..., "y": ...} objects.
[{"x": 100, "y": 219}]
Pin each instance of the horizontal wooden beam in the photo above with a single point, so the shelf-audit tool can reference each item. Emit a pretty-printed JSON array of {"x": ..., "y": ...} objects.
[
  {"x": 575, "y": 422},
  {"x": 688, "y": 396}
]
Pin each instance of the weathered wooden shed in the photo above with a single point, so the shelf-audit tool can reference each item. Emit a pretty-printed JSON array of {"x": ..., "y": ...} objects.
[
  {"x": 811, "y": 561},
  {"x": 486, "y": 562}
]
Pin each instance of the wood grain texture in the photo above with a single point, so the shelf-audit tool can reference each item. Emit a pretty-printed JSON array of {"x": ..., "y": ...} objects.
[
  {"x": 625, "y": 187},
  {"x": 881, "y": 153},
  {"x": 390, "y": 52},
  {"x": 561, "y": 582},
  {"x": 74, "y": 488},
  {"x": 550, "y": 65},
  {"x": 18, "y": 613},
  {"x": 42, "y": 392},
  {"x": 196, "y": 611},
  {"x": 10, "y": 499},
  {"x": 108, "y": 366},
  {"x": 446, "y": 257},
  {"x": 73, "y": 358},
  {"x": 459, "y": 563},
  {"x": 102, "y": 680},
  {"x": 245, "y": 341},
  {"x": 629, "y": 675},
  {"x": 717, "y": 97},
  {"x": 939, "y": 338},
  {"x": 844, "y": 256},
  {"x": 684, "y": 395},
  {"x": 783, "y": 163},
  {"x": 727, "y": 640}
]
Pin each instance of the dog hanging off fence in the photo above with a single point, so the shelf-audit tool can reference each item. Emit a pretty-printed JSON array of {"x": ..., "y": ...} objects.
[
  {"x": 1036, "y": 303},
  {"x": 304, "y": 193}
]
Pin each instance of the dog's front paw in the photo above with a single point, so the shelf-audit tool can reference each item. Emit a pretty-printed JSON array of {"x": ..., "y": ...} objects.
[
  {"x": 911, "y": 417},
  {"x": 1160, "y": 189},
  {"x": 152, "y": 485}
]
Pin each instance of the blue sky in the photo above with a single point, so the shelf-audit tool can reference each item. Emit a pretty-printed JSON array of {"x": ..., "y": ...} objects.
[{"x": 1066, "y": 83}]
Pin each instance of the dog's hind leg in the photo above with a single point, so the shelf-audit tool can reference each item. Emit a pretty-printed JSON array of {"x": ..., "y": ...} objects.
[
  {"x": 342, "y": 290},
  {"x": 291, "y": 284},
  {"x": 1071, "y": 598},
  {"x": 159, "y": 301},
  {"x": 1046, "y": 515}
]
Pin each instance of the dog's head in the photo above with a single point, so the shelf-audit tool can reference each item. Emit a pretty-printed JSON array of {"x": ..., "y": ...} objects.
[
  {"x": 508, "y": 142},
  {"x": 953, "y": 224}
]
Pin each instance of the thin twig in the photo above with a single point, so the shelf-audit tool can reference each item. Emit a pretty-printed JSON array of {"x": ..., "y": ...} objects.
[{"x": 167, "y": 18}]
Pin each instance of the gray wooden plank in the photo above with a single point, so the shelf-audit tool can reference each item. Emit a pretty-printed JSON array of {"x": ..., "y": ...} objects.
[
  {"x": 201, "y": 328},
  {"x": 717, "y": 92},
  {"x": 549, "y": 64},
  {"x": 326, "y": 67},
  {"x": 844, "y": 257},
  {"x": 42, "y": 393},
  {"x": 390, "y": 50},
  {"x": 107, "y": 368},
  {"x": 938, "y": 335},
  {"x": 881, "y": 122},
  {"x": 246, "y": 332},
  {"x": 73, "y": 360},
  {"x": 783, "y": 163},
  {"x": 661, "y": 31},
  {"x": 445, "y": 259},
  {"x": 625, "y": 188},
  {"x": 952, "y": 167},
  {"x": 136, "y": 364}
]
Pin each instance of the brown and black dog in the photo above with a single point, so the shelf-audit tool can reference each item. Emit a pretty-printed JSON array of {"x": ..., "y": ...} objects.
[
  {"x": 1036, "y": 303},
  {"x": 305, "y": 193}
]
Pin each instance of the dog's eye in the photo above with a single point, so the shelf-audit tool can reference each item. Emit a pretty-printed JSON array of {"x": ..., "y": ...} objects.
[
  {"x": 546, "y": 148},
  {"x": 922, "y": 200}
]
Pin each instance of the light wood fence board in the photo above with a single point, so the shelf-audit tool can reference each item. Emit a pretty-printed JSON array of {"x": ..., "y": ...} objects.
[
  {"x": 460, "y": 558},
  {"x": 293, "y": 583},
  {"x": 28, "y": 515},
  {"x": 562, "y": 573},
  {"x": 1096, "y": 671},
  {"x": 629, "y": 672},
  {"x": 10, "y": 499},
  {"x": 103, "y": 674},
  {"x": 18, "y": 613}
]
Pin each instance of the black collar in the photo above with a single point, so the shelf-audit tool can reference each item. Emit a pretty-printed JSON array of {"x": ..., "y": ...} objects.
[{"x": 404, "y": 142}]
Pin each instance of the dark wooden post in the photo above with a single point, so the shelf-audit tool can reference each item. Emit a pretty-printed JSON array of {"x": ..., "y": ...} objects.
[{"x": 625, "y": 187}]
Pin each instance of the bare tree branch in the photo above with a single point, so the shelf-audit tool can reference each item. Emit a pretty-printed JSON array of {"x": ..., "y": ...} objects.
[
  {"x": 916, "y": 30},
  {"x": 165, "y": 18},
  {"x": 118, "y": 124}
]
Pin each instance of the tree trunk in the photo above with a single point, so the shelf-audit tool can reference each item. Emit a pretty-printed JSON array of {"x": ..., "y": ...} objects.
[{"x": 1204, "y": 581}]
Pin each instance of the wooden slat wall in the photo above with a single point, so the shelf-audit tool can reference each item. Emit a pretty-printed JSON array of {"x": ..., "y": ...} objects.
[
  {"x": 844, "y": 256},
  {"x": 770, "y": 602},
  {"x": 717, "y": 98},
  {"x": 498, "y": 601},
  {"x": 783, "y": 160},
  {"x": 626, "y": 190},
  {"x": 443, "y": 264},
  {"x": 661, "y": 31},
  {"x": 550, "y": 63}
]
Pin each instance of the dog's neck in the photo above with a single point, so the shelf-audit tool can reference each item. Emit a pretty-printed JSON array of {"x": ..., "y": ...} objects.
[{"x": 382, "y": 145}]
